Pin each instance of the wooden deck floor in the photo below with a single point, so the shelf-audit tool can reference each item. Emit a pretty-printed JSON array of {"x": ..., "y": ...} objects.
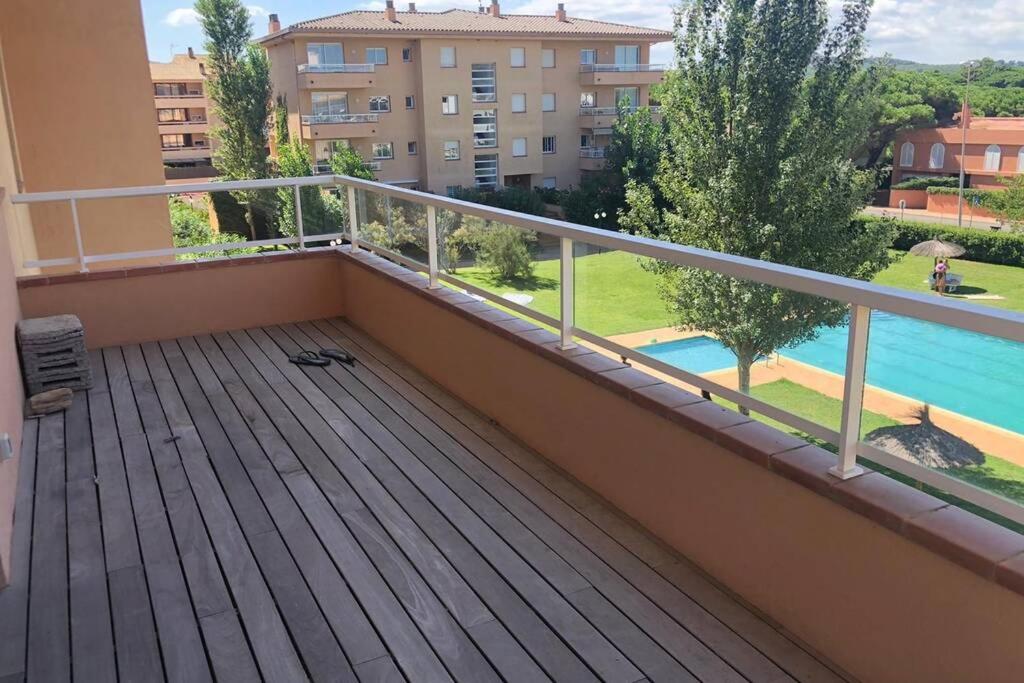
[{"x": 210, "y": 511}]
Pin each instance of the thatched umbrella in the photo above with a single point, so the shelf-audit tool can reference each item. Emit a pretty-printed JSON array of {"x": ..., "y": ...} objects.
[
  {"x": 937, "y": 249},
  {"x": 926, "y": 444}
]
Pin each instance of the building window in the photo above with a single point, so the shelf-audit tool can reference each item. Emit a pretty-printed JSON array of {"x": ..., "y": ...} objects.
[
  {"x": 518, "y": 102},
  {"x": 325, "y": 53},
  {"x": 170, "y": 89},
  {"x": 937, "y": 159},
  {"x": 169, "y": 115},
  {"x": 410, "y": 102},
  {"x": 485, "y": 128},
  {"x": 628, "y": 98},
  {"x": 410, "y": 148},
  {"x": 453, "y": 190},
  {"x": 588, "y": 100},
  {"x": 172, "y": 141},
  {"x": 484, "y": 83},
  {"x": 380, "y": 103},
  {"x": 451, "y": 150},
  {"x": 547, "y": 58},
  {"x": 448, "y": 57},
  {"x": 406, "y": 54},
  {"x": 330, "y": 103},
  {"x": 517, "y": 57},
  {"x": 485, "y": 171},
  {"x": 376, "y": 55},
  {"x": 907, "y": 155},
  {"x": 993, "y": 157},
  {"x": 588, "y": 56},
  {"x": 1020, "y": 160},
  {"x": 547, "y": 144},
  {"x": 324, "y": 150},
  {"x": 586, "y": 141},
  {"x": 548, "y": 183},
  {"x": 383, "y": 150},
  {"x": 519, "y": 147},
  {"x": 627, "y": 55},
  {"x": 547, "y": 101},
  {"x": 449, "y": 104}
]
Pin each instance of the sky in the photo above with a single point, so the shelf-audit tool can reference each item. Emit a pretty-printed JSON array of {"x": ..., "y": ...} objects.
[{"x": 929, "y": 31}]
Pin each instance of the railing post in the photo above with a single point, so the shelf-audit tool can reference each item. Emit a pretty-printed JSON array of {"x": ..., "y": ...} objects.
[
  {"x": 83, "y": 267},
  {"x": 432, "y": 246},
  {"x": 568, "y": 297},
  {"x": 298, "y": 218},
  {"x": 853, "y": 393},
  {"x": 353, "y": 219}
]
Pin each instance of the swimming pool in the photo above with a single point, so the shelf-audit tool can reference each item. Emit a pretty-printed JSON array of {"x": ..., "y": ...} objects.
[{"x": 969, "y": 373}]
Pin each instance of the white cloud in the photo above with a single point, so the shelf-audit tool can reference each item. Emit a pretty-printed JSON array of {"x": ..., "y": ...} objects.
[
  {"x": 256, "y": 11},
  {"x": 183, "y": 16}
]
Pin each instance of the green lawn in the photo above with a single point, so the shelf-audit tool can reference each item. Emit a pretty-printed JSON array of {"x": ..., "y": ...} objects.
[
  {"x": 995, "y": 475},
  {"x": 911, "y": 272}
]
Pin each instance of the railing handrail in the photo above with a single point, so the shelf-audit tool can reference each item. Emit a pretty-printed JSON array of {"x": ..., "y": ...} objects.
[
  {"x": 593, "y": 152},
  {"x": 313, "y": 119},
  {"x": 188, "y": 95},
  {"x": 337, "y": 68},
  {"x": 616, "y": 67},
  {"x": 612, "y": 111}
]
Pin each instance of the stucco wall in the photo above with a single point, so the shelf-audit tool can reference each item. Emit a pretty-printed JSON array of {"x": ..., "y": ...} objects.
[
  {"x": 11, "y": 399},
  {"x": 880, "y": 606}
]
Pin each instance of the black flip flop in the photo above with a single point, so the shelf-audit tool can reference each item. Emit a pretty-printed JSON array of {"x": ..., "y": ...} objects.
[
  {"x": 339, "y": 355},
  {"x": 309, "y": 358}
]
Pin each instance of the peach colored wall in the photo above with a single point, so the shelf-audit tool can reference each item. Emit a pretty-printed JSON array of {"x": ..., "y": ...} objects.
[
  {"x": 880, "y": 606},
  {"x": 1010, "y": 142},
  {"x": 219, "y": 296},
  {"x": 81, "y": 98},
  {"x": 947, "y": 203},
  {"x": 915, "y": 199},
  {"x": 11, "y": 398}
]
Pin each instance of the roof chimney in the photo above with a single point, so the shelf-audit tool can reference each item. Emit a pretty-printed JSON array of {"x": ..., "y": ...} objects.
[
  {"x": 412, "y": 8},
  {"x": 495, "y": 9},
  {"x": 191, "y": 54},
  {"x": 560, "y": 12},
  {"x": 389, "y": 11},
  {"x": 275, "y": 24}
]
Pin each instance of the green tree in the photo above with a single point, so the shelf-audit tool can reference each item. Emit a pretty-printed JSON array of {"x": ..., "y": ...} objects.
[
  {"x": 281, "y": 119},
  {"x": 763, "y": 117},
  {"x": 347, "y": 161},
  {"x": 1008, "y": 204},
  {"x": 319, "y": 214},
  {"x": 239, "y": 86}
]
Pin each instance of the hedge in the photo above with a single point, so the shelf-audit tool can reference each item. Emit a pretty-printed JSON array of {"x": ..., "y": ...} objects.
[
  {"x": 969, "y": 195},
  {"x": 925, "y": 183},
  {"x": 1003, "y": 248}
]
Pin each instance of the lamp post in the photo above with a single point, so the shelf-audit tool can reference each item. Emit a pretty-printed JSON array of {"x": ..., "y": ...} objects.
[{"x": 964, "y": 122}]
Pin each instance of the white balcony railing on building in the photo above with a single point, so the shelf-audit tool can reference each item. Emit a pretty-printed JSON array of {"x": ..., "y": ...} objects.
[
  {"x": 620, "y": 68},
  {"x": 593, "y": 152},
  {"x": 318, "y": 119},
  {"x": 194, "y": 95},
  {"x": 337, "y": 68},
  {"x": 861, "y": 297},
  {"x": 613, "y": 111}
]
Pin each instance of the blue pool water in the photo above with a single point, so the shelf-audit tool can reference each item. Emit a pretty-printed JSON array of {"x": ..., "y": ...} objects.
[{"x": 971, "y": 374}]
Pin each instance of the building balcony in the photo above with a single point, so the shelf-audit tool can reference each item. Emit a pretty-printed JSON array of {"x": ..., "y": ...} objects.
[
  {"x": 194, "y": 101},
  {"x": 621, "y": 74},
  {"x": 186, "y": 153},
  {"x": 475, "y": 496},
  {"x": 336, "y": 76},
  {"x": 592, "y": 158},
  {"x": 193, "y": 126},
  {"x": 606, "y": 117},
  {"x": 333, "y": 126}
]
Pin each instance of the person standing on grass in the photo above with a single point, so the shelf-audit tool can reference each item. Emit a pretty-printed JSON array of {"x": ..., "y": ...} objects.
[{"x": 941, "y": 268}]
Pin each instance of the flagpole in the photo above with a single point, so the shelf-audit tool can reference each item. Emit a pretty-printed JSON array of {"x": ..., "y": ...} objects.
[{"x": 964, "y": 123}]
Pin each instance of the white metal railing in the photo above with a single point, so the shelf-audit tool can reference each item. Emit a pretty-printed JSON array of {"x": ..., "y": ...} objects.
[
  {"x": 194, "y": 95},
  {"x": 316, "y": 119},
  {"x": 593, "y": 152},
  {"x": 614, "y": 111},
  {"x": 862, "y": 298},
  {"x": 620, "y": 68},
  {"x": 337, "y": 68}
]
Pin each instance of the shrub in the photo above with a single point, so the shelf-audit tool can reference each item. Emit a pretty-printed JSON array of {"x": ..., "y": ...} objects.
[
  {"x": 510, "y": 198},
  {"x": 925, "y": 183},
  {"x": 969, "y": 194},
  {"x": 987, "y": 247},
  {"x": 501, "y": 249},
  {"x": 191, "y": 228}
]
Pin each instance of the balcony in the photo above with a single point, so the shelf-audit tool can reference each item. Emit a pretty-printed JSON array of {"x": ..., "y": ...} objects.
[
  {"x": 592, "y": 158},
  {"x": 621, "y": 74},
  {"x": 191, "y": 100},
  {"x": 186, "y": 153},
  {"x": 336, "y": 76},
  {"x": 193, "y": 126},
  {"x": 332, "y": 126},
  {"x": 476, "y": 496},
  {"x": 604, "y": 118}
]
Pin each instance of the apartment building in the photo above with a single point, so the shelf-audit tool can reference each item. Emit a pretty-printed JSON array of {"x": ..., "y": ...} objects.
[
  {"x": 441, "y": 100},
  {"x": 182, "y": 115}
]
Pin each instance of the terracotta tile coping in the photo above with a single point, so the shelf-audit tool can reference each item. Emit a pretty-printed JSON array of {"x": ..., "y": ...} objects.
[
  {"x": 983, "y": 547},
  {"x": 177, "y": 266}
]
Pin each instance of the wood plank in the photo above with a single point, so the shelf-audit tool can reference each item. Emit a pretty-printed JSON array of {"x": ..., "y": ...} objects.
[
  {"x": 271, "y": 644},
  {"x": 14, "y": 598},
  {"x": 227, "y": 648},
  {"x": 550, "y": 651},
  {"x": 138, "y": 654},
  {"x": 348, "y": 621},
  {"x": 49, "y": 644},
  {"x": 380, "y": 670},
  {"x": 726, "y": 612}
]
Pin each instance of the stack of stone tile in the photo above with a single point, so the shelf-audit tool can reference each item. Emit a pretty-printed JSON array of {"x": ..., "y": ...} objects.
[{"x": 53, "y": 353}]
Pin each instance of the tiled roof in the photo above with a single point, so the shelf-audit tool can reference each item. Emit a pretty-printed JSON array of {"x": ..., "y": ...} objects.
[
  {"x": 997, "y": 123},
  {"x": 456, "y": 21},
  {"x": 181, "y": 68}
]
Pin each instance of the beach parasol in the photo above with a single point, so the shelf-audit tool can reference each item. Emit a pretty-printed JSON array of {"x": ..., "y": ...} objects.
[{"x": 937, "y": 249}]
